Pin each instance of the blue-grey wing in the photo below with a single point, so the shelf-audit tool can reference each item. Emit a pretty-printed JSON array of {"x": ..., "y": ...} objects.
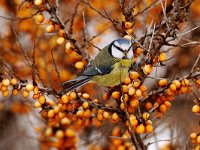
[{"x": 97, "y": 70}]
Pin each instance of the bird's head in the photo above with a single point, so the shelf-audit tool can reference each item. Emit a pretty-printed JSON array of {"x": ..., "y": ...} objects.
[{"x": 121, "y": 49}]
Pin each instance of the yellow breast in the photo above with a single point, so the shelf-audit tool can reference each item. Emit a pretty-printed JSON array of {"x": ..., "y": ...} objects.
[{"x": 116, "y": 76}]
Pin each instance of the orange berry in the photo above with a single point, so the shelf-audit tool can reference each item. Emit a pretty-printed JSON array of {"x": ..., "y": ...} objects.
[
  {"x": 85, "y": 105},
  {"x": 147, "y": 69},
  {"x": 100, "y": 117},
  {"x": 50, "y": 113},
  {"x": 138, "y": 93},
  {"x": 162, "y": 108},
  {"x": 172, "y": 87},
  {"x": 116, "y": 94},
  {"x": 127, "y": 80},
  {"x": 79, "y": 113},
  {"x": 72, "y": 95},
  {"x": 116, "y": 131},
  {"x": 5, "y": 93},
  {"x": 15, "y": 92},
  {"x": 64, "y": 99},
  {"x": 184, "y": 89},
  {"x": 48, "y": 132},
  {"x": 140, "y": 129},
  {"x": 134, "y": 75},
  {"x": 86, "y": 96},
  {"x": 138, "y": 51},
  {"x": 36, "y": 96},
  {"x": 134, "y": 103},
  {"x": 129, "y": 31},
  {"x": 131, "y": 91},
  {"x": 177, "y": 83},
  {"x": 193, "y": 135},
  {"x": 68, "y": 46},
  {"x": 128, "y": 37},
  {"x": 50, "y": 28},
  {"x": 59, "y": 134},
  {"x": 149, "y": 128},
  {"x": 196, "y": 109},
  {"x": 60, "y": 40},
  {"x": 5, "y": 82},
  {"x": 4, "y": 88},
  {"x": 167, "y": 104},
  {"x": 162, "y": 82},
  {"x": 79, "y": 65},
  {"x": 38, "y": 2},
  {"x": 13, "y": 81},
  {"x": 40, "y": 18},
  {"x": 29, "y": 87},
  {"x": 198, "y": 139},
  {"x": 148, "y": 106},
  {"x": 125, "y": 89},
  {"x": 70, "y": 133},
  {"x": 143, "y": 88},
  {"x": 162, "y": 57},
  {"x": 87, "y": 113},
  {"x": 128, "y": 25},
  {"x": 145, "y": 115},
  {"x": 36, "y": 90},
  {"x": 185, "y": 82},
  {"x": 106, "y": 96},
  {"x": 136, "y": 83},
  {"x": 42, "y": 99},
  {"x": 25, "y": 93},
  {"x": 115, "y": 117},
  {"x": 106, "y": 115},
  {"x": 122, "y": 106},
  {"x": 65, "y": 121}
]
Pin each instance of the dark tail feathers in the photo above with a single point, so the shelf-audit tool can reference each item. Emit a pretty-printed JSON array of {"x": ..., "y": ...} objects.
[{"x": 74, "y": 83}]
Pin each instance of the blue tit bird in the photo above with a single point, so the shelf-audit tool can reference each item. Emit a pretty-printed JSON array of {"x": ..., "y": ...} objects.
[{"x": 109, "y": 67}]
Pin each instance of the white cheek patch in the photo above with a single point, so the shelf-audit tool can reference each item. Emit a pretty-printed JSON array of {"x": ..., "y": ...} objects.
[
  {"x": 117, "y": 53},
  {"x": 130, "y": 54}
]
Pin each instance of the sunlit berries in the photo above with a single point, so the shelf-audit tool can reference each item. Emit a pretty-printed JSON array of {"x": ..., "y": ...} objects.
[
  {"x": 60, "y": 40},
  {"x": 38, "y": 2},
  {"x": 162, "y": 57},
  {"x": 147, "y": 69},
  {"x": 5, "y": 82},
  {"x": 79, "y": 65},
  {"x": 50, "y": 28}
]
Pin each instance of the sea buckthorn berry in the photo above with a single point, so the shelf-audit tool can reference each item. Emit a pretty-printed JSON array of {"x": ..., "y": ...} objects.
[
  {"x": 198, "y": 139},
  {"x": 79, "y": 65},
  {"x": 61, "y": 32},
  {"x": 85, "y": 105},
  {"x": 5, "y": 82},
  {"x": 129, "y": 31},
  {"x": 40, "y": 18},
  {"x": 36, "y": 90},
  {"x": 172, "y": 87},
  {"x": 185, "y": 82},
  {"x": 134, "y": 103},
  {"x": 143, "y": 88},
  {"x": 48, "y": 132},
  {"x": 131, "y": 91},
  {"x": 138, "y": 93},
  {"x": 125, "y": 89},
  {"x": 59, "y": 134},
  {"x": 145, "y": 115},
  {"x": 36, "y": 96},
  {"x": 184, "y": 89},
  {"x": 86, "y": 96},
  {"x": 42, "y": 99},
  {"x": 87, "y": 113},
  {"x": 196, "y": 109},
  {"x": 134, "y": 75},
  {"x": 4, "y": 88},
  {"x": 177, "y": 83},
  {"x": 64, "y": 99},
  {"x": 162, "y": 82},
  {"x": 5, "y": 93},
  {"x": 116, "y": 94},
  {"x": 128, "y": 37},
  {"x": 167, "y": 104},
  {"x": 138, "y": 51},
  {"x": 162, "y": 108},
  {"x": 136, "y": 83},
  {"x": 193, "y": 135},
  {"x": 51, "y": 103},
  {"x": 68, "y": 46},
  {"x": 147, "y": 69},
  {"x": 70, "y": 133},
  {"x": 79, "y": 113},
  {"x": 148, "y": 106},
  {"x": 127, "y": 80},
  {"x": 140, "y": 129},
  {"x": 25, "y": 93},
  {"x": 128, "y": 25},
  {"x": 29, "y": 87},
  {"x": 72, "y": 95},
  {"x": 106, "y": 96},
  {"x": 100, "y": 117},
  {"x": 106, "y": 115},
  {"x": 122, "y": 106},
  {"x": 162, "y": 57},
  {"x": 13, "y": 81},
  {"x": 65, "y": 121},
  {"x": 50, "y": 28},
  {"x": 149, "y": 128},
  {"x": 38, "y": 2},
  {"x": 37, "y": 104},
  {"x": 60, "y": 40},
  {"x": 50, "y": 113},
  {"x": 15, "y": 92},
  {"x": 115, "y": 117}
]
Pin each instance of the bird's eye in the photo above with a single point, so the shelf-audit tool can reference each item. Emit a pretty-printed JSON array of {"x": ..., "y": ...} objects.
[{"x": 116, "y": 52}]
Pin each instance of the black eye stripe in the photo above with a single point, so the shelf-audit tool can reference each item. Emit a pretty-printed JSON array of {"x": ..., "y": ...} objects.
[{"x": 119, "y": 48}]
